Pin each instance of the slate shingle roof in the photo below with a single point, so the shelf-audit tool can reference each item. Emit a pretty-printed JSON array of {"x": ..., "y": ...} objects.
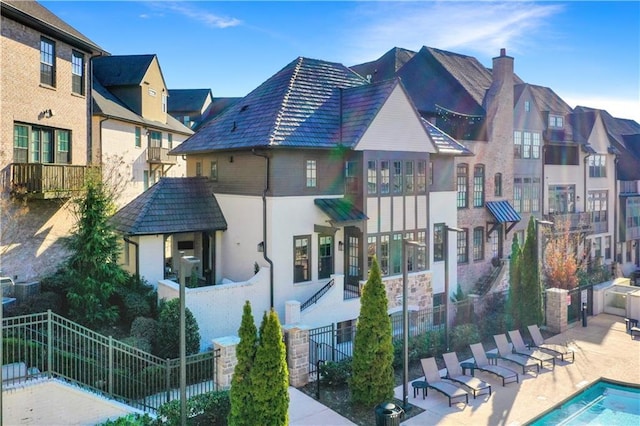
[
  {"x": 385, "y": 67},
  {"x": 187, "y": 99},
  {"x": 121, "y": 70},
  {"x": 170, "y": 206},
  {"x": 444, "y": 143}
]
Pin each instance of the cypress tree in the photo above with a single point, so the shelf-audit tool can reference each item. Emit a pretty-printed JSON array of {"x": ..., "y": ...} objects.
[
  {"x": 372, "y": 377},
  {"x": 530, "y": 278},
  {"x": 515, "y": 286},
  {"x": 240, "y": 393},
  {"x": 270, "y": 375}
]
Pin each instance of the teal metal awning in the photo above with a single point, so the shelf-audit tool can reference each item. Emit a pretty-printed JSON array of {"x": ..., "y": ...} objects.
[
  {"x": 340, "y": 210},
  {"x": 503, "y": 213}
]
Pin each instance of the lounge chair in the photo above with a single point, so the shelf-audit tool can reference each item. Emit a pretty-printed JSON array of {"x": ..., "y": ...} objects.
[
  {"x": 505, "y": 353},
  {"x": 521, "y": 348},
  {"x": 454, "y": 373},
  {"x": 559, "y": 351},
  {"x": 482, "y": 363},
  {"x": 434, "y": 381}
]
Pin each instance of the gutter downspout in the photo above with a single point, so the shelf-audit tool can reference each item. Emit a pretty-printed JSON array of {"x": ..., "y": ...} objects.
[
  {"x": 264, "y": 221},
  {"x": 616, "y": 201},
  {"x": 137, "y": 246},
  {"x": 90, "y": 120}
]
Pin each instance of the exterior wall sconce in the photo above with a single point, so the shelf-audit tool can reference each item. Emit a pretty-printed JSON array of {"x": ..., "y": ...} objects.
[
  {"x": 340, "y": 246},
  {"x": 48, "y": 113},
  {"x": 261, "y": 247}
]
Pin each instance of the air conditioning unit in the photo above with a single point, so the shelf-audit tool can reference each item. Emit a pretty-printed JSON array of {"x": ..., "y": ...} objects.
[{"x": 7, "y": 286}]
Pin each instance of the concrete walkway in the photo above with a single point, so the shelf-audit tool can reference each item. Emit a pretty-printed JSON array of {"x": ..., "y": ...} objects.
[{"x": 304, "y": 410}]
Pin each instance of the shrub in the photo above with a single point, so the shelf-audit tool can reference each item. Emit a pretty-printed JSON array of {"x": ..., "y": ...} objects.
[
  {"x": 422, "y": 346},
  {"x": 463, "y": 336},
  {"x": 141, "y": 343},
  {"x": 145, "y": 328},
  {"x": 36, "y": 304},
  {"x": 167, "y": 344},
  {"x": 335, "y": 373},
  {"x": 210, "y": 409},
  {"x": 495, "y": 319},
  {"x": 132, "y": 420}
]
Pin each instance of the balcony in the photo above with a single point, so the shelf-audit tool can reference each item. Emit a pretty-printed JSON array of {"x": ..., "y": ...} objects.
[
  {"x": 47, "y": 181},
  {"x": 158, "y": 155},
  {"x": 577, "y": 222}
]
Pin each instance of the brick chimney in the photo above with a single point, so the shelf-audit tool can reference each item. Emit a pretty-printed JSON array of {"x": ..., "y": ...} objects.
[{"x": 498, "y": 102}]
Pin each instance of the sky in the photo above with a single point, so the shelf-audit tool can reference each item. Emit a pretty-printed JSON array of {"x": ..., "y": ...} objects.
[{"x": 588, "y": 52}]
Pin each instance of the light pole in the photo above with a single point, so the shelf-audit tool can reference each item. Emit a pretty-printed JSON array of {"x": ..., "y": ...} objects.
[
  {"x": 187, "y": 263},
  {"x": 405, "y": 321},
  {"x": 447, "y": 229}
]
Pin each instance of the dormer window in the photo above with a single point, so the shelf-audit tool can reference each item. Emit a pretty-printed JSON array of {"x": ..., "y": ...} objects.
[{"x": 556, "y": 121}]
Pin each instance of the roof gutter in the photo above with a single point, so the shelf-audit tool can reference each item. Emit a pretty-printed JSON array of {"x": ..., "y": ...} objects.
[{"x": 264, "y": 221}]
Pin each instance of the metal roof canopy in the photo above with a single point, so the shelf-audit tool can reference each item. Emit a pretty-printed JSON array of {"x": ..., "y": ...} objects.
[
  {"x": 503, "y": 212},
  {"x": 340, "y": 210}
]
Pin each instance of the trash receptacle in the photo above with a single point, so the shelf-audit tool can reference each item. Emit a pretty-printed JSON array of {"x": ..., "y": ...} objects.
[{"x": 389, "y": 414}]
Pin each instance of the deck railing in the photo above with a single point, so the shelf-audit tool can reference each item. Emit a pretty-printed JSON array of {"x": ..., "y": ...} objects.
[
  {"x": 47, "y": 180},
  {"x": 156, "y": 154}
]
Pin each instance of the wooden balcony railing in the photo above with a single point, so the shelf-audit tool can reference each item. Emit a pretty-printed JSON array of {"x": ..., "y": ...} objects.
[
  {"x": 47, "y": 180},
  {"x": 159, "y": 155}
]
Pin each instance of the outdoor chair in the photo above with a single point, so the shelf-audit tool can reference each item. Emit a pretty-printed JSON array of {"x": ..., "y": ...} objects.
[
  {"x": 505, "y": 353},
  {"x": 434, "y": 381},
  {"x": 454, "y": 373},
  {"x": 559, "y": 351},
  {"x": 521, "y": 348},
  {"x": 482, "y": 363}
]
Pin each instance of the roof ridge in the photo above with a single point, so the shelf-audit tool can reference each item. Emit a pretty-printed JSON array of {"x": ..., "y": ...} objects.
[{"x": 285, "y": 100}]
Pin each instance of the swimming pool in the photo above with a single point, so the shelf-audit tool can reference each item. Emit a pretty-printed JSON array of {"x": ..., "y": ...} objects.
[{"x": 603, "y": 403}]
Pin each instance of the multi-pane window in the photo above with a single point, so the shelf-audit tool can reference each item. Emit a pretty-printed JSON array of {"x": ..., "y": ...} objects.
[
  {"x": 526, "y": 145},
  {"x": 351, "y": 177},
  {"x": 396, "y": 254},
  {"x": 170, "y": 140},
  {"x": 325, "y": 256},
  {"x": 47, "y": 62},
  {"x": 438, "y": 242},
  {"x": 411, "y": 253},
  {"x": 63, "y": 146},
  {"x": 33, "y": 144},
  {"x": 535, "y": 145},
  {"x": 462, "y": 179},
  {"x": 138, "y": 137},
  {"x": 213, "y": 171},
  {"x": 517, "y": 144},
  {"x": 199, "y": 168},
  {"x": 597, "y": 165},
  {"x": 397, "y": 177},
  {"x": 421, "y": 251},
  {"x": 556, "y": 121},
  {"x": 164, "y": 102},
  {"x": 497, "y": 185},
  {"x": 20, "y": 144},
  {"x": 408, "y": 173},
  {"x": 384, "y": 177},
  {"x": 478, "y": 243},
  {"x": 155, "y": 139},
  {"x": 607, "y": 247},
  {"x": 384, "y": 254},
  {"x": 597, "y": 247},
  {"x": 562, "y": 199},
  {"x": 463, "y": 248},
  {"x": 421, "y": 176},
  {"x": 77, "y": 73},
  {"x": 372, "y": 177},
  {"x": 478, "y": 186},
  {"x": 527, "y": 106},
  {"x": 431, "y": 173},
  {"x": 597, "y": 205},
  {"x": 371, "y": 250},
  {"x": 301, "y": 258},
  {"x": 526, "y": 195},
  {"x": 311, "y": 169}
]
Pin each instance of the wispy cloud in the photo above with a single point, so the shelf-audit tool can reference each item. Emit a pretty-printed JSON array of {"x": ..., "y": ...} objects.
[
  {"x": 192, "y": 11},
  {"x": 618, "y": 107},
  {"x": 478, "y": 26}
]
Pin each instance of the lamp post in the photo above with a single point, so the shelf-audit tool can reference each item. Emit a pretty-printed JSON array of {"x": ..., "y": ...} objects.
[
  {"x": 187, "y": 263},
  {"x": 405, "y": 321},
  {"x": 447, "y": 229}
]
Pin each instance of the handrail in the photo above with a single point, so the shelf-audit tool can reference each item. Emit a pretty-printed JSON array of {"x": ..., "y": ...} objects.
[{"x": 313, "y": 299}]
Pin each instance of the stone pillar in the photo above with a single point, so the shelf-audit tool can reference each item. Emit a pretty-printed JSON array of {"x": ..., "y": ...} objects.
[
  {"x": 291, "y": 312},
  {"x": 226, "y": 362},
  {"x": 297, "y": 338},
  {"x": 475, "y": 302},
  {"x": 556, "y": 313}
]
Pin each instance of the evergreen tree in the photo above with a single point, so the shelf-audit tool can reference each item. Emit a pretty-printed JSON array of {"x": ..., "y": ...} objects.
[
  {"x": 515, "y": 286},
  {"x": 530, "y": 278},
  {"x": 372, "y": 377},
  {"x": 168, "y": 332},
  {"x": 240, "y": 392},
  {"x": 270, "y": 376}
]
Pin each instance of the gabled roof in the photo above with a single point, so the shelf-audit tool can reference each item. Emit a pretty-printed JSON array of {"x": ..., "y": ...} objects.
[
  {"x": 188, "y": 99},
  {"x": 385, "y": 67},
  {"x": 170, "y": 206},
  {"x": 444, "y": 143},
  {"x": 36, "y": 16},
  {"x": 121, "y": 70}
]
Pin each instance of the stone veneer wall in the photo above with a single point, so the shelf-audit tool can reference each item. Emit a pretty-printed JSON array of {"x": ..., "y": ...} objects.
[
  {"x": 226, "y": 362},
  {"x": 556, "y": 313},
  {"x": 419, "y": 287},
  {"x": 297, "y": 338}
]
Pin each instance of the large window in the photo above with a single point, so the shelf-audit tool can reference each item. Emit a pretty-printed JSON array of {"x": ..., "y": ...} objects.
[
  {"x": 408, "y": 173},
  {"x": 463, "y": 246},
  {"x": 63, "y": 147},
  {"x": 47, "y": 62},
  {"x": 372, "y": 177},
  {"x": 396, "y": 254},
  {"x": 351, "y": 177},
  {"x": 422, "y": 251},
  {"x": 421, "y": 177},
  {"x": 438, "y": 242},
  {"x": 562, "y": 199},
  {"x": 20, "y": 144},
  {"x": 561, "y": 155},
  {"x": 478, "y": 243},
  {"x": 478, "y": 186},
  {"x": 384, "y": 177},
  {"x": 155, "y": 139},
  {"x": 325, "y": 256},
  {"x": 33, "y": 144},
  {"x": 77, "y": 73},
  {"x": 526, "y": 195},
  {"x": 597, "y": 206},
  {"x": 301, "y": 258},
  {"x": 384, "y": 254},
  {"x": 397, "y": 177},
  {"x": 311, "y": 170},
  {"x": 372, "y": 248},
  {"x": 526, "y": 145},
  {"x": 462, "y": 185},
  {"x": 597, "y": 165}
]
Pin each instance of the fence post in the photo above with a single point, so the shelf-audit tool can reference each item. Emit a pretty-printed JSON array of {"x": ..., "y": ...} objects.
[
  {"x": 49, "y": 344},
  {"x": 333, "y": 341},
  {"x": 167, "y": 381},
  {"x": 110, "y": 380}
]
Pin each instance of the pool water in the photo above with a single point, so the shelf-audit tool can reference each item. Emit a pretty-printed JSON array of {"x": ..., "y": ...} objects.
[{"x": 603, "y": 403}]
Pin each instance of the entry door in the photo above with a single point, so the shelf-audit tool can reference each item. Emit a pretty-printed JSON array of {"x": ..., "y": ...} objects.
[
  {"x": 207, "y": 267},
  {"x": 352, "y": 259},
  {"x": 325, "y": 256}
]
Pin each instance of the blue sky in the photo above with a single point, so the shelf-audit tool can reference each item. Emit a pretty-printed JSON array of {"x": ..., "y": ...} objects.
[{"x": 588, "y": 52}]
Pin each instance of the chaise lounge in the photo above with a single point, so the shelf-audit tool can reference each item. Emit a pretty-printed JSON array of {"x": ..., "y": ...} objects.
[
  {"x": 454, "y": 373},
  {"x": 482, "y": 363},
  {"x": 521, "y": 348},
  {"x": 505, "y": 353},
  {"x": 434, "y": 381},
  {"x": 559, "y": 351}
]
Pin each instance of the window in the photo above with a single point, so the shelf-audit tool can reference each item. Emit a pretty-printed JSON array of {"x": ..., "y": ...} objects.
[
  {"x": 597, "y": 165},
  {"x": 526, "y": 195},
  {"x": 431, "y": 173},
  {"x": 497, "y": 185},
  {"x": 597, "y": 247},
  {"x": 372, "y": 177},
  {"x": 526, "y": 145},
  {"x": 312, "y": 179},
  {"x": 555, "y": 121},
  {"x": 345, "y": 331},
  {"x": 301, "y": 258},
  {"x": 396, "y": 254},
  {"x": 384, "y": 177},
  {"x": 421, "y": 178},
  {"x": 155, "y": 139},
  {"x": 438, "y": 242},
  {"x": 63, "y": 146},
  {"x": 213, "y": 171},
  {"x": 478, "y": 186},
  {"x": 384, "y": 254},
  {"x": 170, "y": 140},
  {"x": 350, "y": 177},
  {"x": 478, "y": 243},
  {"x": 164, "y": 103},
  {"x": 371, "y": 250},
  {"x": 517, "y": 144},
  {"x": 145, "y": 179},
  {"x": 138, "y": 137},
  {"x": 411, "y": 253},
  {"x": 463, "y": 249},
  {"x": 422, "y": 252},
  {"x": 562, "y": 199},
  {"x": 607, "y": 247},
  {"x": 561, "y": 155},
  {"x": 33, "y": 144},
  {"x": 408, "y": 173},
  {"x": 597, "y": 206},
  {"x": 77, "y": 73},
  {"x": 47, "y": 62},
  {"x": 462, "y": 185},
  {"x": 325, "y": 256},
  {"x": 199, "y": 168},
  {"x": 397, "y": 177},
  {"x": 527, "y": 106},
  {"x": 20, "y": 144}
]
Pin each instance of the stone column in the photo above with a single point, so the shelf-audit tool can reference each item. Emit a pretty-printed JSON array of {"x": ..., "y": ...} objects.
[
  {"x": 226, "y": 362},
  {"x": 297, "y": 338},
  {"x": 556, "y": 313},
  {"x": 291, "y": 312}
]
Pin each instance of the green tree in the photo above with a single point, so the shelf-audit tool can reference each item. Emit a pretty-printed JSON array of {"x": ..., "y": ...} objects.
[
  {"x": 515, "y": 286},
  {"x": 530, "y": 278},
  {"x": 372, "y": 377},
  {"x": 242, "y": 409},
  {"x": 168, "y": 332},
  {"x": 92, "y": 270},
  {"x": 270, "y": 375}
]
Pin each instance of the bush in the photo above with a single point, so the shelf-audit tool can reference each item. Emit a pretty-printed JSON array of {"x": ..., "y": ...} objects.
[
  {"x": 464, "y": 335},
  {"x": 422, "y": 346},
  {"x": 167, "y": 344},
  {"x": 495, "y": 319},
  {"x": 335, "y": 373},
  {"x": 36, "y": 304},
  {"x": 138, "y": 342},
  {"x": 210, "y": 409},
  {"x": 144, "y": 328},
  {"x": 132, "y": 420}
]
